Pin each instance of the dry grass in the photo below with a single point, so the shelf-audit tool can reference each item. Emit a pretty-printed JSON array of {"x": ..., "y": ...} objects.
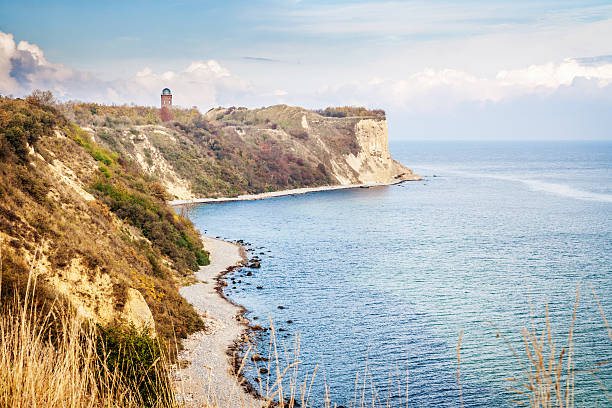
[
  {"x": 549, "y": 369},
  {"x": 549, "y": 374},
  {"x": 44, "y": 367},
  {"x": 459, "y": 367},
  {"x": 286, "y": 385},
  {"x": 50, "y": 360}
]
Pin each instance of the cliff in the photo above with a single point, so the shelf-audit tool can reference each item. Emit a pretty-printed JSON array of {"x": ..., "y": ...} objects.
[
  {"x": 352, "y": 149},
  {"x": 232, "y": 151},
  {"x": 94, "y": 231}
]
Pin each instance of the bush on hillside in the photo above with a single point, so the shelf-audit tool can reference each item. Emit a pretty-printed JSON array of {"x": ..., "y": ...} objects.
[
  {"x": 298, "y": 133},
  {"x": 23, "y": 123},
  {"x": 160, "y": 225},
  {"x": 138, "y": 360}
]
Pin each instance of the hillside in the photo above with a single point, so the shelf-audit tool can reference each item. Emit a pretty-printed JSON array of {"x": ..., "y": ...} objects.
[
  {"x": 102, "y": 234},
  {"x": 232, "y": 151}
]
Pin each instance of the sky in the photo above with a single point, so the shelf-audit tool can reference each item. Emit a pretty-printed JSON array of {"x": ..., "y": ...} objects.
[{"x": 487, "y": 70}]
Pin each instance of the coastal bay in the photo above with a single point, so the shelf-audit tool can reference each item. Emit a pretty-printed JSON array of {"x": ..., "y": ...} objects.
[{"x": 394, "y": 287}]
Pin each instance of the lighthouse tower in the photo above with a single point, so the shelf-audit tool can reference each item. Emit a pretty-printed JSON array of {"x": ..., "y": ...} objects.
[
  {"x": 166, "y": 98},
  {"x": 166, "y": 105}
]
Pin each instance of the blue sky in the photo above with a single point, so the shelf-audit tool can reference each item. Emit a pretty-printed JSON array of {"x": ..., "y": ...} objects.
[{"x": 444, "y": 68}]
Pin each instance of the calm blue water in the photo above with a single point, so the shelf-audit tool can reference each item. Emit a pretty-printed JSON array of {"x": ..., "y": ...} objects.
[{"x": 388, "y": 277}]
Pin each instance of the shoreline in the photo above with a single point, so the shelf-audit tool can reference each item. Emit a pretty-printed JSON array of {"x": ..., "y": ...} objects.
[
  {"x": 282, "y": 193},
  {"x": 208, "y": 379}
]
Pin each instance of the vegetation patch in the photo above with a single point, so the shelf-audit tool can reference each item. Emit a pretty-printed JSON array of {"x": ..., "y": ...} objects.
[
  {"x": 350, "y": 111},
  {"x": 165, "y": 230},
  {"x": 101, "y": 155},
  {"x": 216, "y": 152},
  {"x": 138, "y": 361}
]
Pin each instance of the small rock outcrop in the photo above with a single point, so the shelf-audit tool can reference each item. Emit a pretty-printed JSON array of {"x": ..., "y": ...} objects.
[{"x": 137, "y": 312}]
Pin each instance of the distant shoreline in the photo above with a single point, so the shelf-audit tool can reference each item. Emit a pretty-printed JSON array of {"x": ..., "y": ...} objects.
[{"x": 281, "y": 193}]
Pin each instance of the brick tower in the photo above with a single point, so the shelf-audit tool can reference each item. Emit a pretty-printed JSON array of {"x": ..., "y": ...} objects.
[
  {"x": 166, "y": 105},
  {"x": 166, "y": 98}
]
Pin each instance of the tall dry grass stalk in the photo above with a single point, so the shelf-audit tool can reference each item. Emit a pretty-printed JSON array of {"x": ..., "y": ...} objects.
[
  {"x": 603, "y": 315},
  {"x": 50, "y": 360},
  {"x": 458, "y": 368},
  {"x": 285, "y": 385},
  {"x": 549, "y": 368},
  {"x": 549, "y": 371}
]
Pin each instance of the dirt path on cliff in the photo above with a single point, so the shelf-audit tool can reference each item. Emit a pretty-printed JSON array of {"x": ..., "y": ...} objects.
[{"x": 207, "y": 381}]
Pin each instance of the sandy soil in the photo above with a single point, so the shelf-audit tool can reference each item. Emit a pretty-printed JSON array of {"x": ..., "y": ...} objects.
[{"x": 207, "y": 381}]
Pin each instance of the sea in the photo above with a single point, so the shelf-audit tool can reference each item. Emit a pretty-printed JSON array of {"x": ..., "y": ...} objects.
[{"x": 426, "y": 293}]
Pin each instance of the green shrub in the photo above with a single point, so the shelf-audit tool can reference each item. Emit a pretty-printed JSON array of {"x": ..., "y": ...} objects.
[
  {"x": 101, "y": 157},
  {"x": 346, "y": 111},
  {"x": 104, "y": 170},
  {"x": 137, "y": 359},
  {"x": 168, "y": 233},
  {"x": 23, "y": 123},
  {"x": 202, "y": 257},
  {"x": 97, "y": 153}
]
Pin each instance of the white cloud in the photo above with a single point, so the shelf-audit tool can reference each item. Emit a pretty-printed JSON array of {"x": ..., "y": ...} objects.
[
  {"x": 7, "y": 50},
  {"x": 431, "y": 89},
  {"x": 23, "y": 68},
  {"x": 555, "y": 75},
  {"x": 202, "y": 83}
]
